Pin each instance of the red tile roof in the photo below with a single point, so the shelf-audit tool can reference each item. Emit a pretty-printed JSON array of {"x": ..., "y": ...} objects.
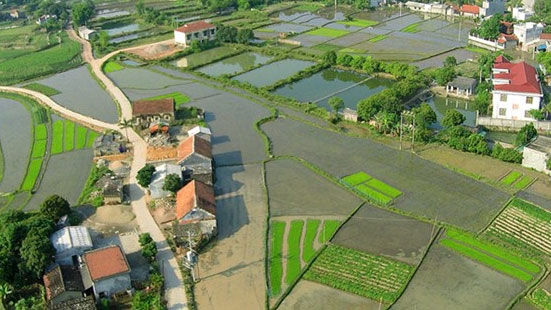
[
  {"x": 545, "y": 36},
  {"x": 522, "y": 77},
  {"x": 106, "y": 262},
  {"x": 195, "y": 26},
  {"x": 472, "y": 9},
  {"x": 148, "y": 107},
  {"x": 506, "y": 37},
  {"x": 193, "y": 195},
  {"x": 194, "y": 144}
]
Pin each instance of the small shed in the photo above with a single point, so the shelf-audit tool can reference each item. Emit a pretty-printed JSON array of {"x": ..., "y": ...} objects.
[
  {"x": 536, "y": 154},
  {"x": 350, "y": 115},
  {"x": 69, "y": 242},
  {"x": 112, "y": 191},
  {"x": 86, "y": 33},
  {"x": 461, "y": 86},
  {"x": 201, "y": 132}
]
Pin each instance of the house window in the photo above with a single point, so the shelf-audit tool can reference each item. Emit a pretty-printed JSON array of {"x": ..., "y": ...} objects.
[
  {"x": 212, "y": 31},
  {"x": 196, "y": 35},
  {"x": 529, "y": 100},
  {"x": 205, "y": 33},
  {"x": 188, "y": 37},
  {"x": 515, "y": 106},
  {"x": 503, "y": 97},
  {"x": 502, "y": 111}
]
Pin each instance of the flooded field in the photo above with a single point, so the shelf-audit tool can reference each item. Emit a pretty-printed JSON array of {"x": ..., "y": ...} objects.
[
  {"x": 273, "y": 72},
  {"x": 441, "y": 104},
  {"x": 235, "y": 64},
  {"x": 122, "y": 29}
]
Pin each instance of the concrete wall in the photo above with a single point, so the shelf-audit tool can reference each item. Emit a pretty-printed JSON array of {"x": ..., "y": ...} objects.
[
  {"x": 112, "y": 285},
  {"x": 509, "y": 124},
  {"x": 534, "y": 159},
  {"x": 489, "y": 45}
]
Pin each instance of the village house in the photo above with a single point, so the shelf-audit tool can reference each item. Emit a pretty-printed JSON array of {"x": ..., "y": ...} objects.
[
  {"x": 350, "y": 115},
  {"x": 105, "y": 272},
  {"x": 63, "y": 284},
  {"x": 522, "y": 14},
  {"x": 112, "y": 191},
  {"x": 85, "y": 33},
  {"x": 195, "y": 158},
  {"x": 528, "y": 34},
  {"x": 536, "y": 154},
  {"x": 146, "y": 113},
  {"x": 488, "y": 8},
  {"x": 70, "y": 243},
  {"x": 201, "y": 132},
  {"x": 195, "y": 210},
  {"x": 517, "y": 90},
  {"x": 197, "y": 31},
  {"x": 45, "y": 18},
  {"x": 461, "y": 86},
  {"x": 159, "y": 177},
  {"x": 433, "y": 8}
]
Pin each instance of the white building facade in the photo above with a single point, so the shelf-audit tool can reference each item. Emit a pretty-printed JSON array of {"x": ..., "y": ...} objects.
[
  {"x": 197, "y": 31},
  {"x": 528, "y": 33}
]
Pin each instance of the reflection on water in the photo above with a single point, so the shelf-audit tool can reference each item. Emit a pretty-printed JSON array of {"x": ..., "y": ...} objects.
[
  {"x": 442, "y": 104},
  {"x": 235, "y": 64}
]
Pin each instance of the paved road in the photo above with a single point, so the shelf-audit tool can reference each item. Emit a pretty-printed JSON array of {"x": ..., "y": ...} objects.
[{"x": 174, "y": 294}]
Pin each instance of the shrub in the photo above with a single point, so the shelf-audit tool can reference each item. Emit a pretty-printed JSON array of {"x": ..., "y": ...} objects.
[{"x": 145, "y": 174}]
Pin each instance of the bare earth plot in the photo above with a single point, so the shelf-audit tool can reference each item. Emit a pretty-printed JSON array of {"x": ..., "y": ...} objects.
[
  {"x": 385, "y": 233},
  {"x": 447, "y": 280},
  {"x": 428, "y": 189},
  {"x": 295, "y": 190},
  {"x": 90, "y": 100},
  {"x": 312, "y": 295},
  {"x": 232, "y": 268}
]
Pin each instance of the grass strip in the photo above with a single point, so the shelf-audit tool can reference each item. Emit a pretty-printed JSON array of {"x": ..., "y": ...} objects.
[
  {"x": 32, "y": 174},
  {"x": 356, "y": 178},
  {"x": 523, "y": 182},
  {"x": 384, "y": 188},
  {"x": 57, "y": 139},
  {"x": 496, "y": 251},
  {"x": 80, "y": 137},
  {"x": 328, "y": 229},
  {"x": 293, "y": 251},
  {"x": 373, "y": 194},
  {"x": 327, "y": 47},
  {"x": 486, "y": 260},
  {"x": 43, "y": 89},
  {"x": 308, "y": 7},
  {"x": 531, "y": 209},
  {"x": 308, "y": 251},
  {"x": 511, "y": 177},
  {"x": 40, "y": 132},
  {"x": 328, "y": 32},
  {"x": 358, "y": 23},
  {"x": 178, "y": 97},
  {"x": 276, "y": 263},
  {"x": 39, "y": 148},
  {"x": 69, "y": 138},
  {"x": 377, "y": 38},
  {"x": 92, "y": 135},
  {"x": 112, "y": 66},
  {"x": 413, "y": 28}
]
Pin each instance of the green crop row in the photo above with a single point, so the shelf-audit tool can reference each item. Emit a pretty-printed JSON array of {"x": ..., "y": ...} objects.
[
  {"x": 413, "y": 28},
  {"x": 359, "y": 23},
  {"x": 276, "y": 263},
  {"x": 371, "y": 276},
  {"x": 541, "y": 298},
  {"x": 511, "y": 177},
  {"x": 486, "y": 260},
  {"x": 80, "y": 137},
  {"x": 57, "y": 139},
  {"x": 39, "y": 148},
  {"x": 494, "y": 250},
  {"x": 356, "y": 178},
  {"x": 384, "y": 188},
  {"x": 531, "y": 209},
  {"x": 377, "y": 38},
  {"x": 32, "y": 174},
  {"x": 112, "y": 66},
  {"x": 69, "y": 136},
  {"x": 308, "y": 251},
  {"x": 523, "y": 182},
  {"x": 293, "y": 251},
  {"x": 40, "y": 132},
  {"x": 373, "y": 194},
  {"x": 179, "y": 98},
  {"x": 328, "y": 32},
  {"x": 92, "y": 135},
  {"x": 328, "y": 229}
]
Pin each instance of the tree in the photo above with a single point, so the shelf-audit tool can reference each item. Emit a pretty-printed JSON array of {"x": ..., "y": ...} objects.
[
  {"x": 243, "y": 5},
  {"x": 329, "y": 58},
  {"x": 482, "y": 99},
  {"x": 526, "y": 134},
  {"x": 537, "y": 114},
  {"x": 244, "y": 35},
  {"x": 450, "y": 61},
  {"x": 172, "y": 183},
  {"x": 82, "y": 12},
  {"x": 424, "y": 118},
  {"x": 336, "y": 104},
  {"x": 36, "y": 253},
  {"x": 125, "y": 124},
  {"x": 5, "y": 290},
  {"x": 453, "y": 118},
  {"x": 54, "y": 207},
  {"x": 103, "y": 39},
  {"x": 444, "y": 75},
  {"x": 149, "y": 248},
  {"x": 140, "y": 7},
  {"x": 145, "y": 174},
  {"x": 489, "y": 28}
]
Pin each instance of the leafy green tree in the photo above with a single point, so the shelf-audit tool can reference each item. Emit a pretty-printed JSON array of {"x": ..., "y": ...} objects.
[
  {"x": 226, "y": 33},
  {"x": 140, "y": 7},
  {"x": 82, "y": 12},
  {"x": 336, "y": 104},
  {"x": 344, "y": 60},
  {"x": 54, "y": 207},
  {"x": 506, "y": 154},
  {"x": 526, "y": 134},
  {"x": 145, "y": 174},
  {"x": 244, "y": 36},
  {"x": 5, "y": 290},
  {"x": 329, "y": 58},
  {"x": 147, "y": 301},
  {"x": 537, "y": 114},
  {"x": 477, "y": 144},
  {"x": 453, "y": 118},
  {"x": 102, "y": 40},
  {"x": 444, "y": 75},
  {"x": 450, "y": 61},
  {"x": 386, "y": 122},
  {"x": 243, "y": 5},
  {"x": 482, "y": 98},
  {"x": 149, "y": 248},
  {"x": 37, "y": 253},
  {"x": 545, "y": 59},
  {"x": 125, "y": 124},
  {"x": 542, "y": 8},
  {"x": 172, "y": 183},
  {"x": 424, "y": 118},
  {"x": 489, "y": 28}
]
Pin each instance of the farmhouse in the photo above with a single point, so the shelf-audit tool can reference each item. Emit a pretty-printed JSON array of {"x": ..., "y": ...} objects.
[
  {"x": 528, "y": 34},
  {"x": 62, "y": 284},
  {"x": 522, "y": 14},
  {"x": 201, "y": 132},
  {"x": 517, "y": 90},
  {"x": 350, "y": 115},
  {"x": 488, "y": 8},
  {"x": 159, "y": 177},
  {"x": 148, "y": 112},
  {"x": 105, "y": 271},
  {"x": 197, "y": 31},
  {"x": 70, "y": 243},
  {"x": 536, "y": 154},
  {"x": 86, "y": 33},
  {"x": 112, "y": 191},
  {"x": 195, "y": 210},
  {"x": 195, "y": 158},
  {"x": 461, "y": 86}
]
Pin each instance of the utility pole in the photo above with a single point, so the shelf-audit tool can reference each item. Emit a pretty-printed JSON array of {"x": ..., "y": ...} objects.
[
  {"x": 459, "y": 33},
  {"x": 401, "y": 128},
  {"x": 413, "y": 135},
  {"x": 191, "y": 258}
]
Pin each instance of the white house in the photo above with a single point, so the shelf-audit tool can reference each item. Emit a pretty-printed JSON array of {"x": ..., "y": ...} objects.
[
  {"x": 105, "y": 271},
  {"x": 536, "y": 154},
  {"x": 196, "y": 31},
  {"x": 158, "y": 179},
  {"x": 517, "y": 90},
  {"x": 86, "y": 33},
  {"x": 522, "y": 14},
  {"x": 528, "y": 33},
  {"x": 491, "y": 7},
  {"x": 69, "y": 242}
]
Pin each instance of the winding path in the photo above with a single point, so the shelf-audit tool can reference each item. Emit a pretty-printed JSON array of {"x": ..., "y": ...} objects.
[{"x": 174, "y": 290}]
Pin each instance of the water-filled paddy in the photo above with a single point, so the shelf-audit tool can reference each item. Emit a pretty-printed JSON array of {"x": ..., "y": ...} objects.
[
  {"x": 321, "y": 85},
  {"x": 235, "y": 64},
  {"x": 122, "y": 29},
  {"x": 273, "y": 72},
  {"x": 441, "y": 104}
]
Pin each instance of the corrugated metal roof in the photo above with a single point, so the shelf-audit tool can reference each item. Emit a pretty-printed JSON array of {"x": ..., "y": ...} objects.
[{"x": 71, "y": 237}]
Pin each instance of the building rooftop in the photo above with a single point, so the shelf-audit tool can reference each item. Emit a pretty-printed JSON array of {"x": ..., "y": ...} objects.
[
  {"x": 472, "y": 9},
  {"x": 542, "y": 144},
  {"x": 148, "y": 107},
  {"x": 194, "y": 195},
  {"x": 520, "y": 77},
  {"x": 195, "y": 26},
  {"x": 194, "y": 144},
  {"x": 198, "y": 129},
  {"x": 71, "y": 237},
  {"x": 62, "y": 279},
  {"x": 462, "y": 82},
  {"x": 105, "y": 262}
]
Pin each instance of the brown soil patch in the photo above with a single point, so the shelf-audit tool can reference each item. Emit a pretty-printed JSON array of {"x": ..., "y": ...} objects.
[
  {"x": 155, "y": 153},
  {"x": 155, "y": 51},
  {"x": 112, "y": 220}
]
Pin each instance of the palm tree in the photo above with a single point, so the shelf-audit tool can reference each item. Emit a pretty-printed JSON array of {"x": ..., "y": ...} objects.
[
  {"x": 125, "y": 124},
  {"x": 5, "y": 290}
]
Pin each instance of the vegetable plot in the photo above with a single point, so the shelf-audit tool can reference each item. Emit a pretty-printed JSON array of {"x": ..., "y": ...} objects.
[
  {"x": 367, "y": 275},
  {"x": 371, "y": 188}
]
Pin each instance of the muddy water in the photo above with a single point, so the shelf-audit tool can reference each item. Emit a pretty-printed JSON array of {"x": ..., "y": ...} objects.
[
  {"x": 273, "y": 72},
  {"x": 235, "y": 64}
]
